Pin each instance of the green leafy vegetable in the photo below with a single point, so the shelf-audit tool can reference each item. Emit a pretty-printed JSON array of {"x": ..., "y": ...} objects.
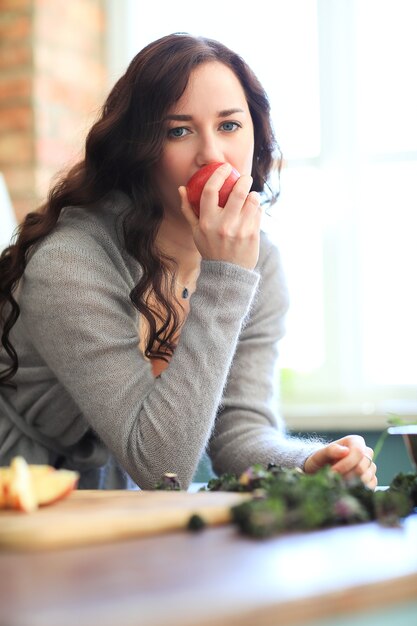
[
  {"x": 406, "y": 483},
  {"x": 196, "y": 523},
  {"x": 285, "y": 500},
  {"x": 288, "y": 499},
  {"x": 168, "y": 482}
]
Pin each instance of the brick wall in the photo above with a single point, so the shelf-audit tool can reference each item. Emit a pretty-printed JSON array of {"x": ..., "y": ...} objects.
[{"x": 52, "y": 84}]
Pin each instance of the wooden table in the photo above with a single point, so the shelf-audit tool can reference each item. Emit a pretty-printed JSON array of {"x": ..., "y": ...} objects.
[{"x": 215, "y": 577}]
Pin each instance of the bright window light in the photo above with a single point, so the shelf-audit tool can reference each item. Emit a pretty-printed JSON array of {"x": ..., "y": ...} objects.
[
  {"x": 386, "y": 54},
  {"x": 340, "y": 78}
]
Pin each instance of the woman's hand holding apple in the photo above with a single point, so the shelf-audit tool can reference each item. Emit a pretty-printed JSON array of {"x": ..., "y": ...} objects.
[{"x": 225, "y": 234}]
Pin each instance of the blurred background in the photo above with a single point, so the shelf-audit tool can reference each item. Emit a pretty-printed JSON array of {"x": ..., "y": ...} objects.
[{"x": 340, "y": 75}]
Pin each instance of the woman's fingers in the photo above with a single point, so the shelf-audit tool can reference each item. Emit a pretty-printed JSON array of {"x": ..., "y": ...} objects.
[
  {"x": 328, "y": 455},
  {"x": 359, "y": 458},
  {"x": 348, "y": 456},
  {"x": 366, "y": 469},
  {"x": 231, "y": 233},
  {"x": 186, "y": 208},
  {"x": 209, "y": 200},
  {"x": 358, "y": 463},
  {"x": 369, "y": 477},
  {"x": 237, "y": 199}
]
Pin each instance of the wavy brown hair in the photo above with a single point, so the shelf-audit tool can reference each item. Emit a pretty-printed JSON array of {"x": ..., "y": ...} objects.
[{"x": 121, "y": 149}]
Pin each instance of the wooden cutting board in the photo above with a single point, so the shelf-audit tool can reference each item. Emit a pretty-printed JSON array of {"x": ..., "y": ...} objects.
[{"x": 88, "y": 517}]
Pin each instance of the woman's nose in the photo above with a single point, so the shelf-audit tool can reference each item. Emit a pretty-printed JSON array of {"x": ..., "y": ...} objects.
[{"x": 209, "y": 151}]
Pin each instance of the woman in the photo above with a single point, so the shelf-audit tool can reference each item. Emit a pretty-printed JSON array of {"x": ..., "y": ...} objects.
[{"x": 137, "y": 336}]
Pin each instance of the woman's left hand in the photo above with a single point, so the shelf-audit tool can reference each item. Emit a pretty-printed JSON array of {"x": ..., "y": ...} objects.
[{"x": 350, "y": 456}]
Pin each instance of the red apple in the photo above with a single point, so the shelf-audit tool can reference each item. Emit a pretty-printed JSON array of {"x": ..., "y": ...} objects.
[{"x": 197, "y": 181}]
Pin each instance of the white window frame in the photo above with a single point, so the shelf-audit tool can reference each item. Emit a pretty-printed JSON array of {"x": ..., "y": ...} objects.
[
  {"x": 346, "y": 403},
  {"x": 333, "y": 397}
]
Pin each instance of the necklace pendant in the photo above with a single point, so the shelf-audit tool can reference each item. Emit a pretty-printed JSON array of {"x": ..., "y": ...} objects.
[{"x": 185, "y": 293}]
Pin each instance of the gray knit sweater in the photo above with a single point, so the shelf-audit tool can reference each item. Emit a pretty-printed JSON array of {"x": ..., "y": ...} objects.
[{"x": 86, "y": 398}]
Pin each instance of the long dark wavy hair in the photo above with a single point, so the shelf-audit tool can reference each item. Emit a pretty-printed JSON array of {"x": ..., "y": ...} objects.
[{"x": 121, "y": 150}]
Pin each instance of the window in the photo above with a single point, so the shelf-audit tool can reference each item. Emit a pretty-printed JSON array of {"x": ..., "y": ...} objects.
[
  {"x": 340, "y": 77},
  {"x": 360, "y": 202}
]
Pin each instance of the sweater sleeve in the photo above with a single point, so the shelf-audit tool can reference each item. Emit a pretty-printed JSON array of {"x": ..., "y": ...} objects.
[
  {"x": 249, "y": 428},
  {"x": 75, "y": 307}
]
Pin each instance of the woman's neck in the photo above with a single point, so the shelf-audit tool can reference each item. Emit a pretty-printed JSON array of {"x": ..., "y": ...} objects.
[{"x": 175, "y": 240}]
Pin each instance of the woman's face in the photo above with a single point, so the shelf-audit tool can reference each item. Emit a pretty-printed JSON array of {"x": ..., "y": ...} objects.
[{"x": 210, "y": 122}]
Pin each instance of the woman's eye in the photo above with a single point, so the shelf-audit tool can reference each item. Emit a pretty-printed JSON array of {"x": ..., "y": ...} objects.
[
  {"x": 179, "y": 131},
  {"x": 229, "y": 127}
]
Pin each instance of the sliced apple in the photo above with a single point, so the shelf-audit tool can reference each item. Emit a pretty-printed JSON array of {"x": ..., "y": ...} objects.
[
  {"x": 25, "y": 487},
  {"x": 39, "y": 470},
  {"x": 20, "y": 493},
  {"x": 9, "y": 499},
  {"x": 4, "y": 486},
  {"x": 52, "y": 486}
]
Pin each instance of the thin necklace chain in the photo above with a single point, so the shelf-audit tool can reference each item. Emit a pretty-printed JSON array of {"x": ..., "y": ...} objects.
[{"x": 185, "y": 292}]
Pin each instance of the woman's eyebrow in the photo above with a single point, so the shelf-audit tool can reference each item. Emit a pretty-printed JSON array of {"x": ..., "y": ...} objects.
[
  {"x": 179, "y": 118},
  {"x": 228, "y": 112},
  {"x": 188, "y": 118}
]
